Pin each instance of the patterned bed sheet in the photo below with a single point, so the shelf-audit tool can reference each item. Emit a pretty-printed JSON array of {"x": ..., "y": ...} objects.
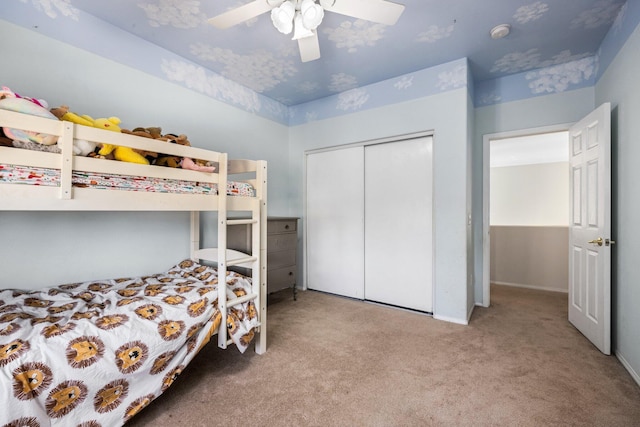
[
  {"x": 96, "y": 353},
  {"x": 16, "y": 174}
]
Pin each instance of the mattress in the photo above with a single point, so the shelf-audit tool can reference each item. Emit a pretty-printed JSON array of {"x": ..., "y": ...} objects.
[
  {"x": 96, "y": 353},
  {"x": 15, "y": 174}
]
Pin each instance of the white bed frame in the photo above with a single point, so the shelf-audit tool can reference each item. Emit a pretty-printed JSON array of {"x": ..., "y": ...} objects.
[{"x": 18, "y": 197}]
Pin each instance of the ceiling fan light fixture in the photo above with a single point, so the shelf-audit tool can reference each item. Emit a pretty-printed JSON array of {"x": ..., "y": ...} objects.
[
  {"x": 301, "y": 31},
  {"x": 282, "y": 17},
  {"x": 302, "y": 17},
  {"x": 312, "y": 14}
]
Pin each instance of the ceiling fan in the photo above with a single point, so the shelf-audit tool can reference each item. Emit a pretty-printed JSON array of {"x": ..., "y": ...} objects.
[{"x": 302, "y": 17}]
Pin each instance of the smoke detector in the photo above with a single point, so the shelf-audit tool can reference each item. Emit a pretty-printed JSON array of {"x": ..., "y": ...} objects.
[{"x": 500, "y": 31}]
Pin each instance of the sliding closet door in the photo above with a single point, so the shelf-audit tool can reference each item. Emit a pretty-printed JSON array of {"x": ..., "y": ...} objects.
[
  {"x": 335, "y": 223},
  {"x": 398, "y": 223}
]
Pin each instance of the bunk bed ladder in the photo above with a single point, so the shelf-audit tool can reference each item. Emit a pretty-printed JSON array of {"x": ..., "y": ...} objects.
[
  {"x": 258, "y": 222},
  {"x": 222, "y": 249},
  {"x": 257, "y": 264},
  {"x": 250, "y": 258},
  {"x": 259, "y": 246}
]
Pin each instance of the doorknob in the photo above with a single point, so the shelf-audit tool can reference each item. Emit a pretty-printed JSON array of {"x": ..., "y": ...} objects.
[{"x": 597, "y": 241}]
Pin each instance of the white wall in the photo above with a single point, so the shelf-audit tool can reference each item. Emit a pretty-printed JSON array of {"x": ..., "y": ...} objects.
[
  {"x": 444, "y": 113},
  {"x": 619, "y": 85},
  {"x": 529, "y": 225},
  {"x": 535, "y": 195},
  {"x": 74, "y": 246}
]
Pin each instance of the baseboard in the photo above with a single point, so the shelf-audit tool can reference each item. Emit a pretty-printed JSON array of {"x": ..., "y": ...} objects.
[
  {"x": 470, "y": 312},
  {"x": 628, "y": 367},
  {"x": 539, "y": 288},
  {"x": 451, "y": 319}
]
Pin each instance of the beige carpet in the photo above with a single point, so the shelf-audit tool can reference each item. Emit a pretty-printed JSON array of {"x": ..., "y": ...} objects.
[{"x": 332, "y": 361}]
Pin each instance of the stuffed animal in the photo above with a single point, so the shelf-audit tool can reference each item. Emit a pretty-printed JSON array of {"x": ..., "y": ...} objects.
[
  {"x": 188, "y": 163},
  {"x": 63, "y": 113},
  {"x": 124, "y": 154},
  {"x": 151, "y": 133},
  {"x": 159, "y": 159},
  {"x": 33, "y": 140},
  {"x": 5, "y": 92},
  {"x": 111, "y": 123},
  {"x": 81, "y": 147},
  {"x": 25, "y": 106},
  {"x": 184, "y": 163},
  {"x": 170, "y": 160}
]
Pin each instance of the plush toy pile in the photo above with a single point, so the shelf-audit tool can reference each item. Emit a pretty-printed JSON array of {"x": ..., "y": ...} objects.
[{"x": 12, "y": 101}]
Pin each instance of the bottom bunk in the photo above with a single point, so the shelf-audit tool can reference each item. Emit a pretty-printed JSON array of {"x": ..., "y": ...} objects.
[{"x": 96, "y": 353}]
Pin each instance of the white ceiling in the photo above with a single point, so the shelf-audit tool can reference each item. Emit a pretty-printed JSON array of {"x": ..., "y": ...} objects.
[{"x": 531, "y": 149}]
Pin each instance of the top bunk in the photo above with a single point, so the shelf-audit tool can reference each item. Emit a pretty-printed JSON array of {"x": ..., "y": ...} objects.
[{"x": 63, "y": 181}]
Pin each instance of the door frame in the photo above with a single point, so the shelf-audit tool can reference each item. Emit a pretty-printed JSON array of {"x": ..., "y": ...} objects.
[
  {"x": 486, "y": 196},
  {"x": 394, "y": 138}
]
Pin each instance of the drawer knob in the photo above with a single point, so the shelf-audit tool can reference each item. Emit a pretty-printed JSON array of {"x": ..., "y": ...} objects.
[
  {"x": 291, "y": 273},
  {"x": 286, "y": 227}
]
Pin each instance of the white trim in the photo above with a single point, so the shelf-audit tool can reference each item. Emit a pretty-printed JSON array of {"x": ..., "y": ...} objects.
[
  {"x": 384, "y": 140},
  {"x": 470, "y": 313},
  {"x": 628, "y": 367},
  {"x": 537, "y": 288},
  {"x": 452, "y": 320},
  {"x": 303, "y": 280},
  {"x": 486, "y": 186}
]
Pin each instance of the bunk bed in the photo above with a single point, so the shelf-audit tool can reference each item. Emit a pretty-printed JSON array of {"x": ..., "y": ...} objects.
[{"x": 97, "y": 352}]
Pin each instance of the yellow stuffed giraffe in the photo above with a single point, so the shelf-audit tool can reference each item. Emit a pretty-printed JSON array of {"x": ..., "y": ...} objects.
[{"x": 124, "y": 154}]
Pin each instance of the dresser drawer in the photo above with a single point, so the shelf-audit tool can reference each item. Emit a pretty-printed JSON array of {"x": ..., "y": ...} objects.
[
  {"x": 282, "y": 242},
  {"x": 281, "y": 278},
  {"x": 281, "y": 259},
  {"x": 281, "y": 226}
]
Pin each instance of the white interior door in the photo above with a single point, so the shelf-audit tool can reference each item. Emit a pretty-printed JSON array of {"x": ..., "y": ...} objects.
[
  {"x": 590, "y": 227},
  {"x": 398, "y": 223},
  {"x": 335, "y": 223}
]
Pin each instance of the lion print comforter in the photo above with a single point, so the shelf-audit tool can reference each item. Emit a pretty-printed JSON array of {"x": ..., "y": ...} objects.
[{"x": 96, "y": 353}]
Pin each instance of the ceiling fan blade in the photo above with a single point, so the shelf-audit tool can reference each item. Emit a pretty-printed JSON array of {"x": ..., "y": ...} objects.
[
  {"x": 243, "y": 13},
  {"x": 309, "y": 48},
  {"x": 381, "y": 11}
]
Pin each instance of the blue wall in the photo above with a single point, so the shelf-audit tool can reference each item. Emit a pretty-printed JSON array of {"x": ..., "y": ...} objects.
[
  {"x": 619, "y": 85},
  {"x": 83, "y": 246},
  {"x": 446, "y": 115}
]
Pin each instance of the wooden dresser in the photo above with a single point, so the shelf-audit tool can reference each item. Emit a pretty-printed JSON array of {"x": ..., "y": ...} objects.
[{"x": 282, "y": 247}]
